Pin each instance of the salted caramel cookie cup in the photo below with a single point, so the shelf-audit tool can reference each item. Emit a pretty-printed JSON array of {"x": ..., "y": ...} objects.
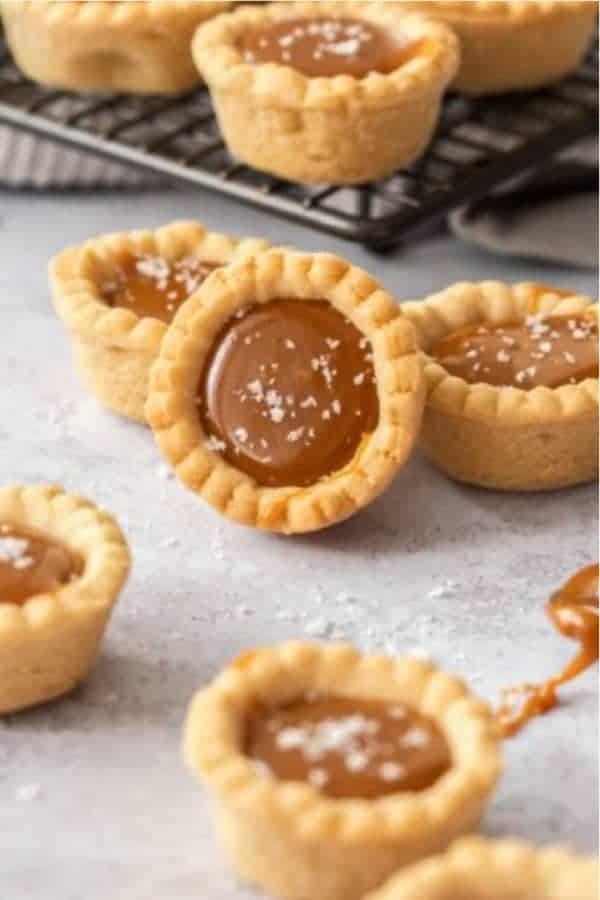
[
  {"x": 132, "y": 46},
  {"x": 512, "y": 373},
  {"x": 326, "y": 92},
  {"x": 329, "y": 770},
  {"x": 118, "y": 293},
  {"x": 510, "y": 45},
  {"x": 495, "y": 870},
  {"x": 288, "y": 391},
  {"x": 63, "y": 563}
]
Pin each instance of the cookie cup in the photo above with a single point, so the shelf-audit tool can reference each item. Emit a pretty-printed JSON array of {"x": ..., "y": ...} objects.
[
  {"x": 295, "y": 842},
  {"x": 114, "y": 348},
  {"x": 496, "y": 870},
  {"x": 514, "y": 45},
  {"x": 504, "y": 438},
  {"x": 49, "y": 644},
  {"x": 172, "y": 409},
  {"x": 315, "y": 130},
  {"x": 133, "y": 46}
]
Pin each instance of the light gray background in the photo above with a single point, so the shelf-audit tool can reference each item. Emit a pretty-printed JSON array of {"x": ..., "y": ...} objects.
[{"x": 94, "y": 800}]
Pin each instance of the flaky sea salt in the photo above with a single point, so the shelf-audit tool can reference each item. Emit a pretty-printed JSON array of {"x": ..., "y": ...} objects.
[
  {"x": 14, "y": 550},
  {"x": 29, "y": 792},
  {"x": 391, "y": 771}
]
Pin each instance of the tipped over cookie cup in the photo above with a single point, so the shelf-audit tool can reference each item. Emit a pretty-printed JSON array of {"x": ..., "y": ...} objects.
[
  {"x": 289, "y": 837},
  {"x": 334, "y": 128},
  {"x": 49, "y": 642},
  {"x": 511, "y": 45},
  {"x": 286, "y": 398},
  {"x": 115, "y": 346},
  {"x": 496, "y": 870},
  {"x": 505, "y": 437},
  {"x": 133, "y": 46}
]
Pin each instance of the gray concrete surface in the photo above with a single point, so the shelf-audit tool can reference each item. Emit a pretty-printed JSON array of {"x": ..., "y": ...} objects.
[{"x": 94, "y": 800}]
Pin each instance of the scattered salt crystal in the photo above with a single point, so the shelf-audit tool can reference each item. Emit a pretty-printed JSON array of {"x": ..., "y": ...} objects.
[
  {"x": 391, "y": 771},
  {"x": 447, "y": 589},
  {"x": 262, "y": 768},
  {"x": 13, "y": 549},
  {"x": 318, "y": 628},
  {"x": 29, "y": 792},
  {"x": 214, "y": 444},
  {"x": 414, "y": 738},
  {"x": 243, "y": 610},
  {"x": 356, "y": 761},
  {"x": 318, "y": 778}
]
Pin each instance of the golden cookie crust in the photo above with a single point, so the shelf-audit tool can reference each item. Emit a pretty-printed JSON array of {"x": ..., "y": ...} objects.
[
  {"x": 295, "y": 842},
  {"x": 134, "y": 46},
  {"x": 173, "y": 413},
  {"x": 505, "y": 438},
  {"x": 48, "y": 645},
  {"x": 114, "y": 348},
  {"x": 495, "y": 870},
  {"x": 315, "y": 130},
  {"x": 511, "y": 45}
]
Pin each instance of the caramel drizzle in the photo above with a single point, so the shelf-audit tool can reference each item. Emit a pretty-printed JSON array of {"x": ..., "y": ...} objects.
[{"x": 573, "y": 611}]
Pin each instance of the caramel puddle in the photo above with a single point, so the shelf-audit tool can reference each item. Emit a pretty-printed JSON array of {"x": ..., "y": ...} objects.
[{"x": 573, "y": 610}]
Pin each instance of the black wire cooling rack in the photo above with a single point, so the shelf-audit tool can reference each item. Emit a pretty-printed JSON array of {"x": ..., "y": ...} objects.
[{"x": 480, "y": 144}]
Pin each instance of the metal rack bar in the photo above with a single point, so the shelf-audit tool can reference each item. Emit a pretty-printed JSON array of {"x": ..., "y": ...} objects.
[{"x": 508, "y": 136}]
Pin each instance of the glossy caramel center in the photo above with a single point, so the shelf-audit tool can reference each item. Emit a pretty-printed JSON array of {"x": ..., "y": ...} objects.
[
  {"x": 152, "y": 285},
  {"x": 348, "y": 747},
  {"x": 546, "y": 352},
  {"x": 32, "y": 563},
  {"x": 325, "y": 47},
  {"x": 288, "y": 392}
]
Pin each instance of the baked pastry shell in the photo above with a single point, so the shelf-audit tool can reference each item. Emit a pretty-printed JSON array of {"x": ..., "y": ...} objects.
[
  {"x": 294, "y": 841},
  {"x": 49, "y": 644},
  {"x": 132, "y": 46},
  {"x": 314, "y": 130},
  {"x": 172, "y": 410},
  {"x": 513, "y": 45},
  {"x": 504, "y": 438},
  {"x": 114, "y": 348},
  {"x": 495, "y": 870}
]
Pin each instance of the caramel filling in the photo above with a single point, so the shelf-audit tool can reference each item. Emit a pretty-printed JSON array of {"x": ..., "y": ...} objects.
[
  {"x": 573, "y": 611},
  {"x": 348, "y": 747},
  {"x": 152, "y": 285},
  {"x": 288, "y": 393},
  {"x": 546, "y": 352},
  {"x": 32, "y": 563},
  {"x": 325, "y": 47}
]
